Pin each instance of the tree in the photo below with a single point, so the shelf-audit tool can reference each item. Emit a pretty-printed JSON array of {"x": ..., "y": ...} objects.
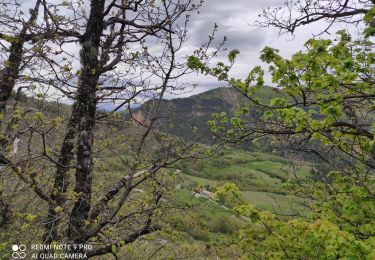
[
  {"x": 116, "y": 62},
  {"x": 16, "y": 39},
  {"x": 294, "y": 14},
  {"x": 20, "y": 29},
  {"x": 323, "y": 105}
]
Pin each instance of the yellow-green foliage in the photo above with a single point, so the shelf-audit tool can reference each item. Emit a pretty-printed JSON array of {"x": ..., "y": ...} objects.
[
  {"x": 341, "y": 226},
  {"x": 328, "y": 100}
]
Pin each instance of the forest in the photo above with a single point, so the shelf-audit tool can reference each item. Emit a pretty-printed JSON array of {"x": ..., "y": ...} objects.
[{"x": 187, "y": 129}]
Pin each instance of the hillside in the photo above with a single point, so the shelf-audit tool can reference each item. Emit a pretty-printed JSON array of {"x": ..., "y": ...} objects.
[
  {"x": 260, "y": 176},
  {"x": 188, "y": 117}
]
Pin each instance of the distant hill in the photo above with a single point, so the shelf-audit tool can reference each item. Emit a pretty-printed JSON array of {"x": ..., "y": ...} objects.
[
  {"x": 182, "y": 117},
  {"x": 188, "y": 117}
]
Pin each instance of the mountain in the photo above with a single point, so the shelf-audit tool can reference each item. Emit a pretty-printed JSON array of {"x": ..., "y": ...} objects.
[{"x": 188, "y": 117}]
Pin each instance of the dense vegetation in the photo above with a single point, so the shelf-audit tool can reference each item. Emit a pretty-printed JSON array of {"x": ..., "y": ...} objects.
[
  {"x": 328, "y": 111},
  {"x": 247, "y": 171}
]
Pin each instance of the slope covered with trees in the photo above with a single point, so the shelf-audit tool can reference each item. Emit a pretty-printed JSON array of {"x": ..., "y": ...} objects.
[
  {"x": 188, "y": 117},
  {"x": 329, "y": 100},
  {"x": 153, "y": 182},
  {"x": 85, "y": 52}
]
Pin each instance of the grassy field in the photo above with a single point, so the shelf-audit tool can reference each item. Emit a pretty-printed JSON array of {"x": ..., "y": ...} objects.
[
  {"x": 280, "y": 204},
  {"x": 199, "y": 221},
  {"x": 260, "y": 177}
]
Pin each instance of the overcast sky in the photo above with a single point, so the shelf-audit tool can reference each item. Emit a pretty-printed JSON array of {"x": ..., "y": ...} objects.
[{"x": 236, "y": 21}]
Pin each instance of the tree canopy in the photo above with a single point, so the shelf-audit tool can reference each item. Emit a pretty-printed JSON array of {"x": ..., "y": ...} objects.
[{"x": 324, "y": 106}]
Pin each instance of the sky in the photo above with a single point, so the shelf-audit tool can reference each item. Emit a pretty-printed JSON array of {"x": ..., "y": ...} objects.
[{"x": 236, "y": 19}]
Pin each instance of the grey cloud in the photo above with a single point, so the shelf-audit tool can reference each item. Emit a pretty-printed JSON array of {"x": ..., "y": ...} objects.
[
  {"x": 224, "y": 7},
  {"x": 237, "y": 37},
  {"x": 234, "y": 19},
  {"x": 201, "y": 87}
]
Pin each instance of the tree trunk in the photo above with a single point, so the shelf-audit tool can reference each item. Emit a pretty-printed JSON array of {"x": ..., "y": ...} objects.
[
  {"x": 10, "y": 73},
  {"x": 86, "y": 105},
  {"x": 61, "y": 181},
  {"x": 82, "y": 121}
]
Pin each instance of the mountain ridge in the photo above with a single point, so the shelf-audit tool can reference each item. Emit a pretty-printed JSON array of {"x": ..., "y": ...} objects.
[{"x": 188, "y": 117}]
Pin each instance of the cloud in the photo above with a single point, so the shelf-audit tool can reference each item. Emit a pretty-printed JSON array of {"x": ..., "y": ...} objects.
[
  {"x": 234, "y": 19},
  {"x": 224, "y": 7},
  {"x": 237, "y": 37}
]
